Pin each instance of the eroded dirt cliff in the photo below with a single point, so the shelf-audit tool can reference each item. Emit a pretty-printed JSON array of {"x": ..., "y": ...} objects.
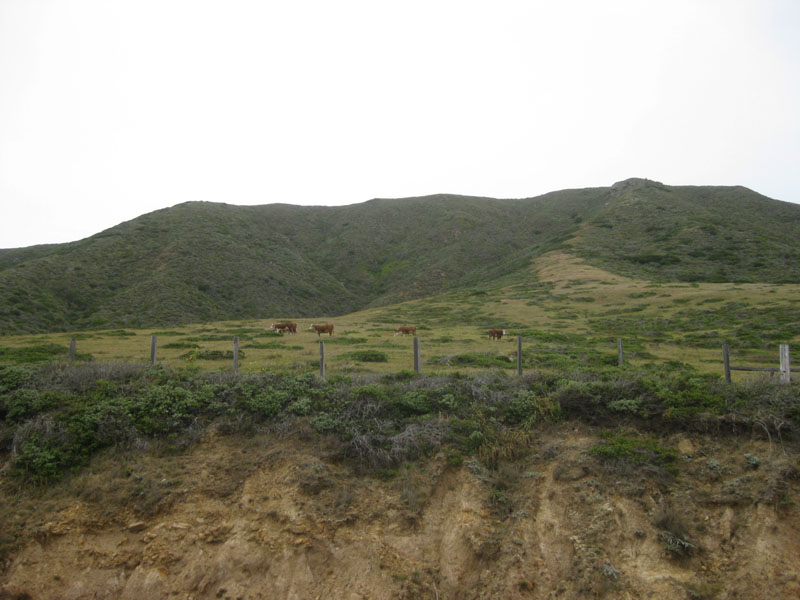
[{"x": 270, "y": 516}]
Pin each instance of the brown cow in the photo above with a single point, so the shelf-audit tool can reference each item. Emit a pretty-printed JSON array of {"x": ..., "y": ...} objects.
[
  {"x": 287, "y": 327},
  {"x": 404, "y": 329},
  {"x": 320, "y": 329},
  {"x": 496, "y": 334}
]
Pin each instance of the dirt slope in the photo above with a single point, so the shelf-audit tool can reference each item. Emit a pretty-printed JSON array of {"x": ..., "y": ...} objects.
[{"x": 278, "y": 517}]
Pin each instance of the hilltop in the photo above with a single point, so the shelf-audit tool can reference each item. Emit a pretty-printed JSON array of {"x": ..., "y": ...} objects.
[{"x": 201, "y": 261}]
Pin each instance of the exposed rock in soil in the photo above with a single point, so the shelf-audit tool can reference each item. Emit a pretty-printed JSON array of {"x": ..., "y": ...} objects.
[{"x": 285, "y": 520}]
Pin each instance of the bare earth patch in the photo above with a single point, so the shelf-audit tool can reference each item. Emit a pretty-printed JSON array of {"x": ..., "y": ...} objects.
[{"x": 271, "y": 517}]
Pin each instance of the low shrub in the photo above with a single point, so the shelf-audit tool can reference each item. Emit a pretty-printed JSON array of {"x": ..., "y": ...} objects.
[
  {"x": 34, "y": 354},
  {"x": 160, "y": 409},
  {"x": 526, "y": 407},
  {"x": 484, "y": 360},
  {"x": 24, "y": 403},
  {"x": 639, "y": 451},
  {"x": 367, "y": 356},
  {"x": 211, "y": 355},
  {"x": 180, "y": 345},
  {"x": 674, "y": 533},
  {"x": 13, "y": 377},
  {"x": 300, "y": 407},
  {"x": 55, "y": 416},
  {"x": 326, "y": 423},
  {"x": 415, "y": 402},
  {"x": 267, "y": 403}
]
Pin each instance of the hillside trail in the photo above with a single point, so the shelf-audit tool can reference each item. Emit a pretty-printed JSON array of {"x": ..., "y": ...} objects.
[{"x": 279, "y": 517}]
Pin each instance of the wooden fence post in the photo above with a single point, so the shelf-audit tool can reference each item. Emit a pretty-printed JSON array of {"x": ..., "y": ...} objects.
[
  {"x": 726, "y": 362},
  {"x": 416, "y": 354},
  {"x": 620, "y": 357},
  {"x": 519, "y": 355},
  {"x": 72, "y": 350},
  {"x": 322, "y": 359},
  {"x": 153, "y": 344},
  {"x": 786, "y": 368},
  {"x": 236, "y": 355}
]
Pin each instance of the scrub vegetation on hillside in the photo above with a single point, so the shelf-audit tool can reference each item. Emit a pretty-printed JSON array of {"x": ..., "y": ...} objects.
[
  {"x": 55, "y": 417},
  {"x": 199, "y": 261}
]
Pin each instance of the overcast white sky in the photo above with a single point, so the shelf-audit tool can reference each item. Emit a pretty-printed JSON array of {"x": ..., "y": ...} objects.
[{"x": 113, "y": 108}]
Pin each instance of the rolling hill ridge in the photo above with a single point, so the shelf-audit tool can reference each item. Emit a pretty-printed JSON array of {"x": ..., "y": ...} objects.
[{"x": 202, "y": 261}]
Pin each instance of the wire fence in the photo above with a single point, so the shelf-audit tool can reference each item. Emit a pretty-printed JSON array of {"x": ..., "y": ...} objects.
[{"x": 784, "y": 367}]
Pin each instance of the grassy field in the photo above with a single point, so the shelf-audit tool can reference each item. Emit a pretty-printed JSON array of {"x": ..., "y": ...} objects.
[{"x": 569, "y": 313}]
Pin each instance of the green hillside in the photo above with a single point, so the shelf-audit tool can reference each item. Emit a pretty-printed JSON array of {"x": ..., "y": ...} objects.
[
  {"x": 202, "y": 261},
  {"x": 710, "y": 234}
]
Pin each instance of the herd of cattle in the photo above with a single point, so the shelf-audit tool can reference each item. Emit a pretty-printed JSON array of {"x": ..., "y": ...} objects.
[{"x": 494, "y": 334}]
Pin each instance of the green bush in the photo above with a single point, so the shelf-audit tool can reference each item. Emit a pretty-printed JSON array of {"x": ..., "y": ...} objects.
[
  {"x": 526, "y": 407},
  {"x": 415, "y": 402},
  {"x": 368, "y": 356},
  {"x": 448, "y": 403},
  {"x": 40, "y": 451},
  {"x": 617, "y": 448},
  {"x": 300, "y": 407},
  {"x": 688, "y": 394},
  {"x": 399, "y": 377},
  {"x": 13, "y": 377},
  {"x": 24, "y": 403},
  {"x": 180, "y": 345},
  {"x": 33, "y": 354},
  {"x": 267, "y": 403},
  {"x": 476, "y": 440},
  {"x": 167, "y": 408},
  {"x": 626, "y": 405},
  {"x": 455, "y": 459},
  {"x": 484, "y": 360},
  {"x": 373, "y": 392},
  {"x": 325, "y": 423},
  {"x": 38, "y": 462},
  {"x": 577, "y": 397}
]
